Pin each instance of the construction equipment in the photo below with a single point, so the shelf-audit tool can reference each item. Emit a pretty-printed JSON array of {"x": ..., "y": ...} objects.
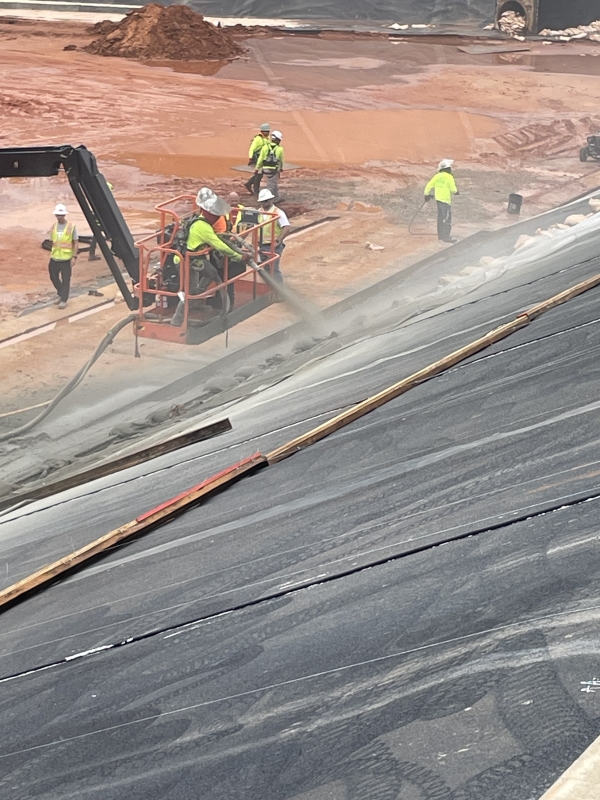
[
  {"x": 93, "y": 195},
  {"x": 197, "y": 295},
  {"x": 591, "y": 149},
  {"x": 212, "y": 296}
]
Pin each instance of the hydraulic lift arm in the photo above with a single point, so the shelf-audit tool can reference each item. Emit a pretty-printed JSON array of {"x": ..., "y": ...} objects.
[{"x": 93, "y": 195}]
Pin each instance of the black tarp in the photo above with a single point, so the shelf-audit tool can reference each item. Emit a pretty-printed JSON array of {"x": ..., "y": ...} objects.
[
  {"x": 407, "y": 11},
  {"x": 556, "y": 14},
  {"x": 454, "y": 673}
]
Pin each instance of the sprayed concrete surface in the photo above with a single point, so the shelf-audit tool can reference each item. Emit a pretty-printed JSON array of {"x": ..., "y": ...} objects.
[{"x": 366, "y": 118}]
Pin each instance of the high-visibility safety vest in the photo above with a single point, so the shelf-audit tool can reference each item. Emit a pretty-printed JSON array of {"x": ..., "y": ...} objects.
[
  {"x": 236, "y": 215},
  {"x": 443, "y": 186},
  {"x": 62, "y": 243},
  {"x": 256, "y": 145},
  {"x": 266, "y": 231},
  {"x": 270, "y": 158}
]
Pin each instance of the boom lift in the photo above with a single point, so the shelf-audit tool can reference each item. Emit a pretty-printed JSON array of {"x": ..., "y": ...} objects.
[
  {"x": 93, "y": 195},
  {"x": 205, "y": 309}
]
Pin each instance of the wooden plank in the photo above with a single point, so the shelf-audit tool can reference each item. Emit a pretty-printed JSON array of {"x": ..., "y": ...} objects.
[
  {"x": 563, "y": 297},
  {"x": 142, "y": 524},
  {"x": 118, "y": 464},
  {"x": 581, "y": 780},
  {"x": 371, "y": 403}
]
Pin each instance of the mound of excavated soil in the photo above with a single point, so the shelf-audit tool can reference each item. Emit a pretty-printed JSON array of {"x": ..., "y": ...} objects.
[{"x": 157, "y": 32}]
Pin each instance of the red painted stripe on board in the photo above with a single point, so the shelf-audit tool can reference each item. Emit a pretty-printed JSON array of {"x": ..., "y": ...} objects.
[{"x": 204, "y": 483}]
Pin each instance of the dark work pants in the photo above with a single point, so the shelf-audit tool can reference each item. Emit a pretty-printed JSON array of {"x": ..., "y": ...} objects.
[
  {"x": 235, "y": 268},
  {"x": 265, "y": 253},
  {"x": 444, "y": 221},
  {"x": 253, "y": 185},
  {"x": 60, "y": 275}
]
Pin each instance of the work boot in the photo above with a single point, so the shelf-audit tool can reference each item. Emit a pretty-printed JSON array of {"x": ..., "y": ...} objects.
[
  {"x": 57, "y": 300},
  {"x": 62, "y": 304},
  {"x": 250, "y": 185}
]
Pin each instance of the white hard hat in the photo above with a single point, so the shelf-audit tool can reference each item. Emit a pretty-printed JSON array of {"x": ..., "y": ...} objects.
[
  {"x": 60, "y": 210},
  {"x": 265, "y": 194},
  {"x": 204, "y": 194},
  {"x": 277, "y": 135},
  {"x": 214, "y": 205},
  {"x": 445, "y": 163}
]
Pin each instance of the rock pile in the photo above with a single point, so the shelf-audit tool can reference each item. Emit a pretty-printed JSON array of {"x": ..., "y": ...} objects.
[
  {"x": 591, "y": 31},
  {"x": 512, "y": 23},
  {"x": 163, "y": 33}
]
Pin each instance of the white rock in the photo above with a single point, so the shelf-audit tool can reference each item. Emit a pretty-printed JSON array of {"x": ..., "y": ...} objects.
[
  {"x": 595, "y": 204},
  {"x": 523, "y": 241},
  {"x": 574, "y": 219},
  {"x": 446, "y": 280}
]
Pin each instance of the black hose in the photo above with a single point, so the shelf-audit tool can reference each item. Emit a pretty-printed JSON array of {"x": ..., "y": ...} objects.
[
  {"x": 414, "y": 218},
  {"x": 74, "y": 382}
]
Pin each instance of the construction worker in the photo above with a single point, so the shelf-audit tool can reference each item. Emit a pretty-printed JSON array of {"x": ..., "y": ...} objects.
[
  {"x": 65, "y": 243},
  {"x": 220, "y": 226},
  {"x": 256, "y": 145},
  {"x": 443, "y": 187},
  {"x": 234, "y": 217},
  {"x": 281, "y": 229},
  {"x": 202, "y": 234},
  {"x": 270, "y": 162}
]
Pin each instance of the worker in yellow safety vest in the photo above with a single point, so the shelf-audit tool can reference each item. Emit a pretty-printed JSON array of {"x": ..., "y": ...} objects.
[
  {"x": 65, "y": 243},
  {"x": 280, "y": 230},
  {"x": 256, "y": 145},
  {"x": 234, "y": 218},
  {"x": 443, "y": 187},
  {"x": 270, "y": 162}
]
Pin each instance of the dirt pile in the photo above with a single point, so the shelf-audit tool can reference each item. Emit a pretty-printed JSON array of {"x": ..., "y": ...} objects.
[{"x": 164, "y": 33}]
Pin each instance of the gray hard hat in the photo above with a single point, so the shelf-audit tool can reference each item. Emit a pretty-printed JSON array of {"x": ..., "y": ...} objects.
[
  {"x": 265, "y": 127},
  {"x": 207, "y": 200}
]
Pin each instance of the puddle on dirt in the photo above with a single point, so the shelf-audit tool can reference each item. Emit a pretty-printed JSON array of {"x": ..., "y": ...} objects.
[
  {"x": 191, "y": 67},
  {"x": 571, "y": 64},
  {"x": 182, "y": 165},
  {"x": 340, "y": 63}
]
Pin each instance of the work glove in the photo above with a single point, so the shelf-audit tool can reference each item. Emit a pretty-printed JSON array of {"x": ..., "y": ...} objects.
[
  {"x": 249, "y": 162},
  {"x": 427, "y": 198},
  {"x": 246, "y": 258}
]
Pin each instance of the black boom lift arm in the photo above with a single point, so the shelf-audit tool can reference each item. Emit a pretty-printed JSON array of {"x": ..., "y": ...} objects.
[{"x": 93, "y": 195}]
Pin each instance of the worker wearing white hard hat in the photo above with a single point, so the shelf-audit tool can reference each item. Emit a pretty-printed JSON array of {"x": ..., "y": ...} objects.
[
  {"x": 64, "y": 241},
  {"x": 270, "y": 162},
  {"x": 208, "y": 200},
  {"x": 443, "y": 187},
  {"x": 273, "y": 235}
]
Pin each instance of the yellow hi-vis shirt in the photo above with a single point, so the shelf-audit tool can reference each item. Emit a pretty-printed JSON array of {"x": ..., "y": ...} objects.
[
  {"x": 256, "y": 145},
  {"x": 201, "y": 234},
  {"x": 270, "y": 158},
  {"x": 62, "y": 243},
  {"x": 444, "y": 186}
]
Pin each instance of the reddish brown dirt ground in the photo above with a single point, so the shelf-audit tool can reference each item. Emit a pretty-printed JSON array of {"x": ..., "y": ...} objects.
[{"x": 367, "y": 119}]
